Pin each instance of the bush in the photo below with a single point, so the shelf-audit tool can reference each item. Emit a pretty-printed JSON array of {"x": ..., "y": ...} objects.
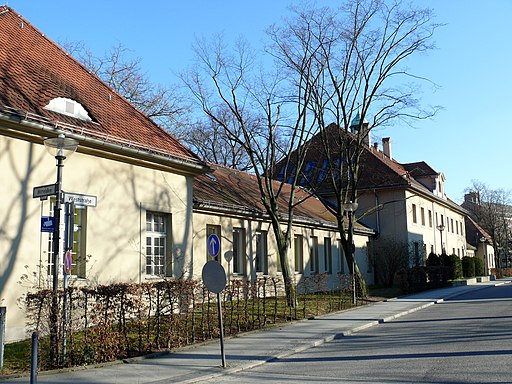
[
  {"x": 412, "y": 280},
  {"x": 468, "y": 266},
  {"x": 438, "y": 276},
  {"x": 501, "y": 272},
  {"x": 418, "y": 279},
  {"x": 390, "y": 257},
  {"x": 402, "y": 280},
  {"x": 455, "y": 265},
  {"x": 479, "y": 267},
  {"x": 433, "y": 260}
]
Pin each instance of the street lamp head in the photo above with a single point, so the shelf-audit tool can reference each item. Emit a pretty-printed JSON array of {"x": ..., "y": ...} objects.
[
  {"x": 350, "y": 206},
  {"x": 440, "y": 227},
  {"x": 483, "y": 239},
  {"x": 61, "y": 146}
]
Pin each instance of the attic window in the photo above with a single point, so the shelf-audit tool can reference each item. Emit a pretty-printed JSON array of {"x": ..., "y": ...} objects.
[{"x": 68, "y": 107}]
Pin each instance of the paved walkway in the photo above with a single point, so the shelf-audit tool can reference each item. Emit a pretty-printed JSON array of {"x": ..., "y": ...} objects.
[{"x": 248, "y": 350}]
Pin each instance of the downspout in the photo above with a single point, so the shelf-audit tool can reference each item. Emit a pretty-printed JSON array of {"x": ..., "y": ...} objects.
[
  {"x": 434, "y": 227},
  {"x": 377, "y": 214},
  {"x": 140, "y": 242}
]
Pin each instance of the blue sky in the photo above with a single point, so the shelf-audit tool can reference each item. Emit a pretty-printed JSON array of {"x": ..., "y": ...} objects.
[{"x": 469, "y": 140}]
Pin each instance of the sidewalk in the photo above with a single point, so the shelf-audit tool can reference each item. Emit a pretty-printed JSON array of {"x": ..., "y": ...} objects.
[{"x": 199, "y": 362}]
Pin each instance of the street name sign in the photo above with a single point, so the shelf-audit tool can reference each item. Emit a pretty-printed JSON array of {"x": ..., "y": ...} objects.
[
  {"x": 45, "y": 190},
  {"x": 80, "y": 199}
]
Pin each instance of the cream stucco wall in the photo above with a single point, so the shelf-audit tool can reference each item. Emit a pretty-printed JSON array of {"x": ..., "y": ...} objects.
[
  {"x": 116, "y": 235},
  {"x": 114, "y": 238},
  {"x": 228, "y": 222},
  {"x": 395, "y": 220},
  {"x": 452, "y": 239}
]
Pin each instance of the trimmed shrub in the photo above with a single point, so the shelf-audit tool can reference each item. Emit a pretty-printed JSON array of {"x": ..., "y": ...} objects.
[
  {"x": 433, "y": 260},
  {"x": 468, "y": 266},
  {"x": 402, "y": 280},
  {"x": 479, "y": 266},
  {"x": 418, "y": 279},
  {"x": 412, "y": 280},
  {"x": 455, "y": 265},
  {"x": 437, "y": 276}
]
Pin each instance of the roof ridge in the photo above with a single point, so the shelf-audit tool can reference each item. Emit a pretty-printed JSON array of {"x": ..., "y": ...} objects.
[{"x": 378, "y": 157}]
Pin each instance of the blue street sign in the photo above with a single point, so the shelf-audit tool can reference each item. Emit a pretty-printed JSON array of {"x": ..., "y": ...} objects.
[
  {"x": 213, "y": 244},
  {"x": 47, "y": 224}
]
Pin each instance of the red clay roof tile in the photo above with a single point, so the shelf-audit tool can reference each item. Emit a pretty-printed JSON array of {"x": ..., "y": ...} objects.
[{"x": 34, "y": 70}]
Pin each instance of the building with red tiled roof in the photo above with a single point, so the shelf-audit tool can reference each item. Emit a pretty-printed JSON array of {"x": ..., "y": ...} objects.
[
  {"x": 227, "y": 203},
  {"x": 144, "y": 203},
  {"x": 135, "y": 220},
  {"x": 402, "y": 202},
  {"x": 481, "y": 243},
  {"x": 34, "y": 71}
]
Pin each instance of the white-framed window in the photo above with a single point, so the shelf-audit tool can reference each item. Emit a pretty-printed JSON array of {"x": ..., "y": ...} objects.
[
  {"x": 327, "y": 255},
  {"x": 414, "y": 218},
  {"x": 416, "y": 250},
  {"x": 78, "y": 250},
  {"x": 156, "y": 244},
  {"x": 430, "y": 218},
  {"x": 422, "y": 210},
  {"x": 313, "y": 255},
  {"x": 341, "y": 257},
  {"x": 261, "y": 257},
  {"x": 298, "y": 253},
  {"x": 239, "y": 251},
  {"x": 79, "y": 257}
]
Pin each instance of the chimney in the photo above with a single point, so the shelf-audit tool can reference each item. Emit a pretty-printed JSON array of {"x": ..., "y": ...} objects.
[
  {"x": 472, "y": 197},
  {"x": 366, "y": 132},
  {"x": 386, "y": 147},
  {"x": 376, "y": 146}
]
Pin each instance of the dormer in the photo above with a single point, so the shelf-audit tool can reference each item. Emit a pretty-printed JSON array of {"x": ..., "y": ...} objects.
[
  {"x": 68, "y": 107},
  {"x": 439, "y": 191}
]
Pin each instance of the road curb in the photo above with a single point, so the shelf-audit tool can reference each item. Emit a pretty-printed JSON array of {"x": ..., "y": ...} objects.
[{"x": 312, "y": 344}]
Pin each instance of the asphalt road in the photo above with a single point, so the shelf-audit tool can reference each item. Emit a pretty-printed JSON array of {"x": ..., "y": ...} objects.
[{"x": 467, "y": 339}]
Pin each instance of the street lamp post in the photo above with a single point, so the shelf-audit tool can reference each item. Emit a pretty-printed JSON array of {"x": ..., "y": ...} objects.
[
  {"x": 60, "y": 147},
  {"x": 350, "y": 207},
  {"x": 441, "y": 229},
  {"x": 484, "y": 249}
]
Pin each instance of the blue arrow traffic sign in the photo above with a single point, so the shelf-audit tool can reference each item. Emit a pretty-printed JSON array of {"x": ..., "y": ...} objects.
[{"x": 213, "y": 245}]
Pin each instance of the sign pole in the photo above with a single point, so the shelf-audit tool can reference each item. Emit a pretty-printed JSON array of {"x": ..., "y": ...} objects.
[
  {"x": 221, "y": 326},
  {"x": 214, "y": 278}
]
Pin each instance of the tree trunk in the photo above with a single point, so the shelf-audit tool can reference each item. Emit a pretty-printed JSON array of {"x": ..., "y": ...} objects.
[{"x": 289, "y": 283}]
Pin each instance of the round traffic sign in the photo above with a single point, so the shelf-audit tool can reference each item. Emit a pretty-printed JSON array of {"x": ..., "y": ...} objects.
[
  {"x": 213, "y": 245},
  {"x": 68, "y": 262},
  {"x": 214, "y": 276}
]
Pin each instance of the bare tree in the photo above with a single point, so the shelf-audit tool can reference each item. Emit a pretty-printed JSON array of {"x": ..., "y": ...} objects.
[
  {"x": 390, "y": 258},
  {"x": 124, "y": 74},
  {"x": 211, "y": 143},
  {"x": 248, "y": 105},
  {"x": 360, "y": 53},
  {"x": 492, "y": 210}
]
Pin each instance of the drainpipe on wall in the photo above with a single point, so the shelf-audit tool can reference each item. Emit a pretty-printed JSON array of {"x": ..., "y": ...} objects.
[{"x": 377, "y": 214}]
